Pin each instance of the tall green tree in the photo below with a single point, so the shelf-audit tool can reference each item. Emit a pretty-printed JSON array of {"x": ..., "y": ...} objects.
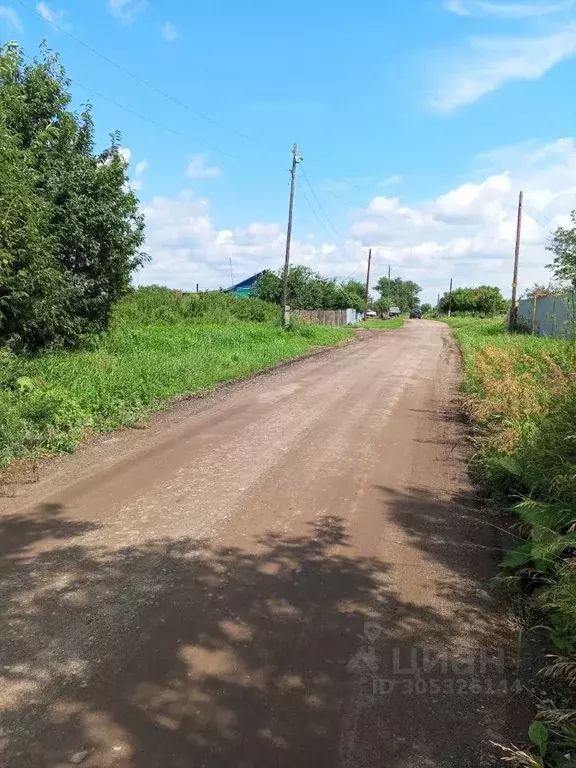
[
  {"x": 70, "y": 230},
  {"x": 404, "y": 294},
  {"x": 562, "y": 245}
]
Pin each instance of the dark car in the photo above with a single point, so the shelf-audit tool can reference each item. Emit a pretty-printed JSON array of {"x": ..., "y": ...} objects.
[{"x": 416, "y": 314}]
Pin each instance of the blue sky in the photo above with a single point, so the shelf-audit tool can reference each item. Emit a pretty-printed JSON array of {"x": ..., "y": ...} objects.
[{"x": 418, "y": 124}]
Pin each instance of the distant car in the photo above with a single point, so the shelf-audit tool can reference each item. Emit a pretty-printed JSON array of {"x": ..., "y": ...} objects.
[
  {"x": 416, "y": 314},
  {"x": 394, "y": 312},
  {"x": 371, "y": 313}
]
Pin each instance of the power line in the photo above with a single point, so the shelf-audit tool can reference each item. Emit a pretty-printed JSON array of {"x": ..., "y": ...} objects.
[
  {"x": 344, "y": 199},
  {"x": 352, "y": 273},
  {"x": 319, "y": 203},
  {"x": 139, "y": 79},
  {"x": 532, "y": 213},
  {"x": 153, "y": 122},
  {"x": 322, "y": 224},
  {"x": 144, "y": 117}
]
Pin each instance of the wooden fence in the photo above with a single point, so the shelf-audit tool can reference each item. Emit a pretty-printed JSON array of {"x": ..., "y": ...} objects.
[{"x": 327, "y": 316}]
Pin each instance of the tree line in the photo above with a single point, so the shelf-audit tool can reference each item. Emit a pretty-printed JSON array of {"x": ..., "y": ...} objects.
[
  {"x": 309, "y": 290},
  {"x": 70, "y": 230}
]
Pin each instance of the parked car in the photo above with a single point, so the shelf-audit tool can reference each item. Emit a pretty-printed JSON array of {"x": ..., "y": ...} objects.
[
  {"x": 371, "y": 313},
  {"x": 416, "y": 314},
  {"x": 394, "y": 312}
]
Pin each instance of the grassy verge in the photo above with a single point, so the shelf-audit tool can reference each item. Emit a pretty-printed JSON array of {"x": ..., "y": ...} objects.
[
  {"x": 522, "y": 396},
  {"x": 49, "y": 403},
  {"x": 396, "y": 322}
]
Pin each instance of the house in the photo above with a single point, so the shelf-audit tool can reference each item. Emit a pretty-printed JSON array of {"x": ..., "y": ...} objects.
[{"x": 244, "y": 288}]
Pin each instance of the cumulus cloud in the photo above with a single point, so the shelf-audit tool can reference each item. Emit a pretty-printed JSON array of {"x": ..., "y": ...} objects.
[
  {"x": 170, "y": 32},
  {"x": 198, "y": 169},
  {"x": 10, "y": 15},
  {"x": 186, "y": 247},
  {"x": 466, "y": 232},
  {"x": 488, "y": 63}
]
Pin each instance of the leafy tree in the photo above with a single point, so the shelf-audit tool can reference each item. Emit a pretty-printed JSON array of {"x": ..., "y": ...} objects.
[
  {"x": 540, "y": 289},
  {"x": 70, "y": 231},
  {"x": 562, "y": 245},
  {"x": 426, "y": 308},
  {"x": 268, "y": 287},
  {"x": 483, "y": 300},
  {"x": 309, "y": 290},
  {"x": 397, "y": 293}
]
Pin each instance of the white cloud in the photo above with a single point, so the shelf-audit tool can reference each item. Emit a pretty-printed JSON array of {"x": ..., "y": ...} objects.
[
  {"x": 10, "y": 15},
  {"x": 489, "y": 63},
  {"x": 186, "y": 248},
  {"x": 170, "y": 32},
  {"x": 126, "y": 10},
  {"x": 52, "y": 15},
  {"x": 507, "y": 10},
  {"x": 197, "y": 168},
  {"x": 137, "y": 183},
  {"x": 466, "y": 232},
  {"x": 125, "y": 154}
]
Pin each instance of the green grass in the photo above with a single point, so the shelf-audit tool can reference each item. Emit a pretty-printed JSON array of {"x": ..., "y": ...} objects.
[
  {"x": 522, "y": 396},
  {"x": 475, "y": 335},
  {"x": 49, "y": 403},
  {"x": 385, "y": 325}
]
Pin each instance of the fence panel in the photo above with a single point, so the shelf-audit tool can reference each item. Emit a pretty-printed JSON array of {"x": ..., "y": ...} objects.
[
  {"x": 327, "y": 316},
  {"x": 549, "y": 315}
]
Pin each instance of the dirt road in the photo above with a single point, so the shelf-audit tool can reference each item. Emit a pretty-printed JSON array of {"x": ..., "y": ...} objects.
[{"x": 287, "y": 573}]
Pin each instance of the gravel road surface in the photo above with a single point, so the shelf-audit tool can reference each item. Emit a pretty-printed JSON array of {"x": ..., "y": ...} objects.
[{"x": 288, "y": 572}]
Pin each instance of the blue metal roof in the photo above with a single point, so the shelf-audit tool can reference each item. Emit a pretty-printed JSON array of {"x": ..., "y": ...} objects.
[{"x": 244, "y": 288}]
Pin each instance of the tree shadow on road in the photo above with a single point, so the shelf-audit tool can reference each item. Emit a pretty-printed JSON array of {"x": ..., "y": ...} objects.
[{"x": 178, "y": 653}]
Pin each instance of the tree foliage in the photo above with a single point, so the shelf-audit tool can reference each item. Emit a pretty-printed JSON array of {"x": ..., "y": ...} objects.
[
  {"x": 309, "y": 290},
  {"x": 483, "y": 300},
  {"x": 541, "y": 289},
  {"x": 397, "y": 293},
  {"x": 562, "y": 245},
  {"x": 70, "y": 231}
]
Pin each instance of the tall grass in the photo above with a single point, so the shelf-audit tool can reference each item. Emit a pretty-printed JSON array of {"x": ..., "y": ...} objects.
[
  {"x": 522, "y": 395},
  {"x": 156, "y": 304},
  {"x": 155, "y": 350}
]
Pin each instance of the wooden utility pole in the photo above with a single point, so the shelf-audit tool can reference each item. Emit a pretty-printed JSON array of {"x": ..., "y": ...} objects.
[
  {"x": 285, "y": 310},
  {"x": 450, "y": 300},
  {"x": 438, "y": 306},
  {"x": 389, "y": 287},
  {"x": 367, "y": 294},
  {"x": 231, "y": 274},
  {"x": 513, "y": 310}
]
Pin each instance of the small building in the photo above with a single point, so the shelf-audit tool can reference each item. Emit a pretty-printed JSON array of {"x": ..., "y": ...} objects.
[{"x": 245, "y": 287}]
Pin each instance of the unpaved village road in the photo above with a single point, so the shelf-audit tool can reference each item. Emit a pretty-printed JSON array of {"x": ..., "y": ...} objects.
[{"x": 262, "y": 578}]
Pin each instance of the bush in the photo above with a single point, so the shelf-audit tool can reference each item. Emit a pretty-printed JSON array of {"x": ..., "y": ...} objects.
[{"x": 154, "y": 304}]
